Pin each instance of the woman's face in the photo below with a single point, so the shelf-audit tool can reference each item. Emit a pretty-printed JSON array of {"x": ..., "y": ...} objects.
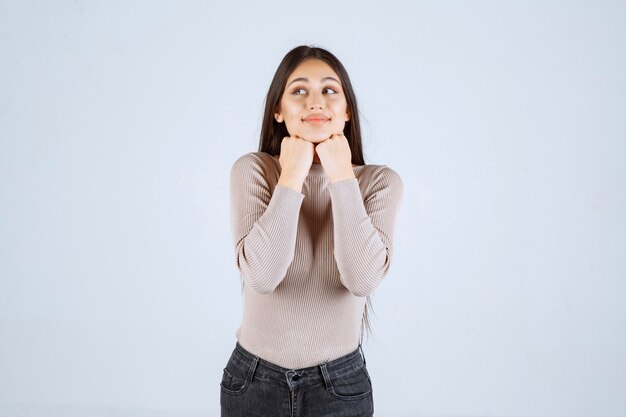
[{"x": 313, "y": 105}]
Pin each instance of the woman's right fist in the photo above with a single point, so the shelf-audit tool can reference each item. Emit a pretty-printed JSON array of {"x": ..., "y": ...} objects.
[{"x": 296, "y": 157}]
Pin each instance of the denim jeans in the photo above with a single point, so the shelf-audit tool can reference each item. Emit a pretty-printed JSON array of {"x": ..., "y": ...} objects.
[{"x": 254, "y": 387}]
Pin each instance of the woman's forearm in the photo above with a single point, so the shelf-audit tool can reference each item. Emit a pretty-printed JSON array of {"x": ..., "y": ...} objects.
[{"x": 363, "y": 231}]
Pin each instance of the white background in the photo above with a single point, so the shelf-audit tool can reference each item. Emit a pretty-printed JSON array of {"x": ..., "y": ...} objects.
[{"x": 119, "y": 122}]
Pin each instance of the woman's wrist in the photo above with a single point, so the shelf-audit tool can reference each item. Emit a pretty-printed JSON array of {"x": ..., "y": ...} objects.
[
  {"x": 343, "y": 176},
  {"x": 292, "y": 183}
]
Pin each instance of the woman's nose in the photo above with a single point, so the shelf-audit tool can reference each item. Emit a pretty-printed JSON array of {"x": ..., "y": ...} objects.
[{"x": 315, "y": 101}]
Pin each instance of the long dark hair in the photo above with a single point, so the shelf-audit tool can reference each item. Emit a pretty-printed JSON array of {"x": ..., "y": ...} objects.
[{"x": 272, "y": 132}]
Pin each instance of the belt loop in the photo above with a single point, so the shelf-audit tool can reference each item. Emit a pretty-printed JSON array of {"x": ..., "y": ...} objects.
[
  {"x": 325, "y": 375},
  {"x": 253, "y": 367},
  {"x": 362, "y": 354}
]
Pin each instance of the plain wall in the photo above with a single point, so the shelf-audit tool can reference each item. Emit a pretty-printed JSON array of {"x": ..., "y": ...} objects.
[{"x": 119, "y": 122}]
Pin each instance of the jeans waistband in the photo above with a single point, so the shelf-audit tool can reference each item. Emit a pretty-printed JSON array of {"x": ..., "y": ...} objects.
[{"x": 312, "y": 375}]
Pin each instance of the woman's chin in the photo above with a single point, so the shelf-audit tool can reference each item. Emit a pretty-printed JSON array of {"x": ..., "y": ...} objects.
[{"x": 316, "y": 137}]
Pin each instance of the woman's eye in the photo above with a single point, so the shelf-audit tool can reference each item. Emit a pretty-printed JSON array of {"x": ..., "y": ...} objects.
[{"x": 298, "y": 90}]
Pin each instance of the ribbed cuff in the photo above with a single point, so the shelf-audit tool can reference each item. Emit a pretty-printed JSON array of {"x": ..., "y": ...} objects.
[
  {"x": 346, "y": 197},
  {"x": 284, "y": 207}
]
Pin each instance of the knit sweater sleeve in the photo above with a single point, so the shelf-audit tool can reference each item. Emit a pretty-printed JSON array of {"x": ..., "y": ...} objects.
[
  {"x": 363, "y": 229},
  {"x": 263, "y": 223}
]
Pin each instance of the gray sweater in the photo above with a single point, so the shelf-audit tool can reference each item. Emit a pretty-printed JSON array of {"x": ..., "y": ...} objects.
[{"x": 308, "y": 260}]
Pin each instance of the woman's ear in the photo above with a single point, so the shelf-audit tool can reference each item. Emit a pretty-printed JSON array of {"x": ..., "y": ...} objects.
[
  {"x": 278, "y": 116},
  {"x": 347, "y": 116}
]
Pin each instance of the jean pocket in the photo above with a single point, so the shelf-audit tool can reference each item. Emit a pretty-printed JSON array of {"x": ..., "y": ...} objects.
[
  {"x": 354, "y": 385},
  {"x": 235, "y": 378}
]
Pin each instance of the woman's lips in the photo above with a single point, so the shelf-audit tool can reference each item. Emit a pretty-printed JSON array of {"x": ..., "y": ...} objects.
[{"x": 316, "y": 120}]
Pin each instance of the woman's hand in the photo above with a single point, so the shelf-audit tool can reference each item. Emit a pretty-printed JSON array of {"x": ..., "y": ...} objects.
[
  {"x": 336, "y": 158},
  {"x": 296, "y": 157}
]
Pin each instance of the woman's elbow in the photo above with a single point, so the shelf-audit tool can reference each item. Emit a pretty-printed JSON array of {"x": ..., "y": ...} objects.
[
  {"x": 362, "y": 283},
  {"x": 362, "y": 286},
  {"x": 258, "y": 281},
  {"x": 259, "y": 286}
]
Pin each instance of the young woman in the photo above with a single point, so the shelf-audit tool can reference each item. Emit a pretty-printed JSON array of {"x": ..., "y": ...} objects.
[{"x": 312, "y": 229}]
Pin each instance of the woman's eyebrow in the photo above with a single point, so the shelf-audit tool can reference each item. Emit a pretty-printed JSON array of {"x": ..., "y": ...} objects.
[{"x": 307, "y": 80}]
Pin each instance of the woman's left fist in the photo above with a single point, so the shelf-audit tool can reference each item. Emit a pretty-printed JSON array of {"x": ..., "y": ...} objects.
[{"x": 336, "y": 158}]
